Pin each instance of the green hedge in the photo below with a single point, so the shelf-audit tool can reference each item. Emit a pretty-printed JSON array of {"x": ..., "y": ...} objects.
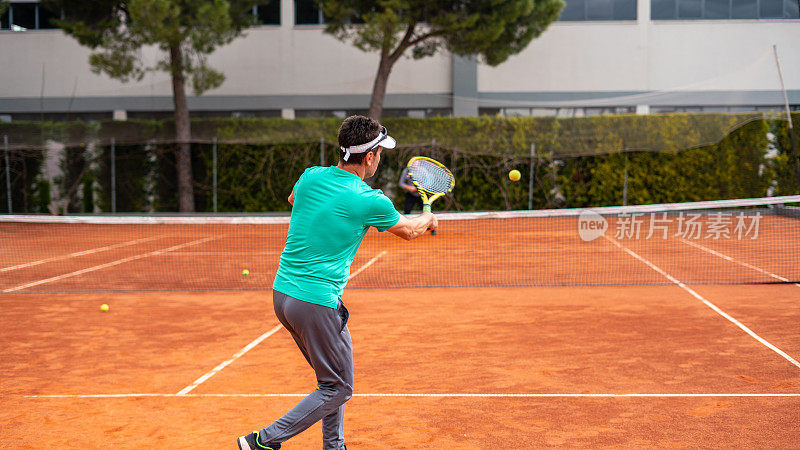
[
  {"x": 784, "y": 164},
  {"x": 26, "y": 191},
  {"x": 255, "y": 176}
]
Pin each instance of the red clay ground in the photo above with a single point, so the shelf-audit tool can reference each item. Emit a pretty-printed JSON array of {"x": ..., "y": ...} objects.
[{"x": 643, "y": 340}]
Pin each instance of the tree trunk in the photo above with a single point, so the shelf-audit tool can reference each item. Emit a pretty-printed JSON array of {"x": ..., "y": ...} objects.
[
  {"x": 388, "y": 58},
  {"x": 379, "y": 87},
  {"x": 183, "y": 132}
]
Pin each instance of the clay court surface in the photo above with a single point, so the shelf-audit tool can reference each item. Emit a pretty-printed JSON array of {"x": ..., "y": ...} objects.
[{"x": 435, "y": 367}]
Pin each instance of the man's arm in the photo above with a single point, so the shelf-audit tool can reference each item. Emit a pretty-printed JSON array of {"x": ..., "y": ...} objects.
[
  {"x": 291, "y": 198},
  {"x": 411, "y": 228}
]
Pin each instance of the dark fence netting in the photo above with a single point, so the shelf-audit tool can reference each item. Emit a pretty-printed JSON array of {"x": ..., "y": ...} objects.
[{"x": 595, "y": 161}]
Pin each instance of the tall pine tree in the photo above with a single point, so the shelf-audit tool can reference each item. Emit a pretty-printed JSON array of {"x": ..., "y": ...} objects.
[
  {"x": 490, "y": 29},
  {"x": 185, "y": 31}
]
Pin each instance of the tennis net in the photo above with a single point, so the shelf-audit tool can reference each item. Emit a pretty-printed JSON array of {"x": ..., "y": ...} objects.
[{"x": 716, "y": 242}]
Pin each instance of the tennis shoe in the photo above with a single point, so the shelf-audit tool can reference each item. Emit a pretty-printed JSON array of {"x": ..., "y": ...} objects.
[{"x": 252, "y": 442}]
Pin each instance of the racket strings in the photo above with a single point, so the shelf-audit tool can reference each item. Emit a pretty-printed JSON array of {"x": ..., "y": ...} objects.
[{"x": 431, "y": 177}]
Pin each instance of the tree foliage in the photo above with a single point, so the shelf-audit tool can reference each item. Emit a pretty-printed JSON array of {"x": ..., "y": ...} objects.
[
  {"x": 493, "y": 30},
  {"x": 118, "y": 30},
  {"x": 256, "y": 172},
  {"x": 185, "y": 31}
]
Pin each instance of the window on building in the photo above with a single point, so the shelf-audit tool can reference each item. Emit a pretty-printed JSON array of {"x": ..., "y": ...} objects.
[
  {"x": 791, "y": 10},
  {"x": 723, "y": 9},
  {"x": 268, "y": 13},
  {"x": 557, "y": 112},
  {"x": 61, "y": 116},
  {"x": 47, "y": 18},
  {"x": 23, "y": 16},
  {"x": 717, "y": 9},
  {"x": 387, "y": 112},
  {"x": 663, "y": 9},
  {"x": 27, "y": 16},
  {"x": 584, "y": 10},
  {"x": 771, "y": 9},
  {"x": 690, "y": 9},
  {"x": 624, "y": 9},
  {"x": 307, "y": 12},
  {"x": 744, "y": 9},
  {"x": 599, "y": 9}
]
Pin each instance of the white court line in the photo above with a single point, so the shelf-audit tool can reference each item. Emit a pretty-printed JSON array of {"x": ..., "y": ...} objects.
[
  {"x": 369, "y": 263},
  {"x": 224, "y": 253},
  {"x": 81, "y": 253},
  {"x": 741, "y": 263},
  {"x": 707, "y": 303},
  {"x": 258, "y": 340},
  {"x": 433, "y": 395},
  {"x": 225, "y": 364},
  {"x": 110, "y": 264}
]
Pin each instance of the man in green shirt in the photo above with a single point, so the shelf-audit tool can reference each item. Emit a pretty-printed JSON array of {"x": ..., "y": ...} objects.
[{"x": 332, "y": 210}]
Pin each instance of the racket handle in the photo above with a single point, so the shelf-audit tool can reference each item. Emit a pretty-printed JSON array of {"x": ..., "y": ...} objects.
[{"x": 426, "y": 207}]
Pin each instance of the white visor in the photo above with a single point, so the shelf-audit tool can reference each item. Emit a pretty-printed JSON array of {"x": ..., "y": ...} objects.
[{"x": 383, "y": 140}]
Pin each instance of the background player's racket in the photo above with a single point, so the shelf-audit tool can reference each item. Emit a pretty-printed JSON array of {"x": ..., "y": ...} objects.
[{"x": 432, "y": 180}]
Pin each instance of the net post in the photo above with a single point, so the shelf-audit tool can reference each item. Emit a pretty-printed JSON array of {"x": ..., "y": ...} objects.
[
  {"x": 531, "y": 175},
  {"x": 8, "y": 173},
  {"x": 788, "y": 117},
  {"x": 794, "y": 150},
  {"x": 113, "y": 176},
  {"x": 214, "y": 171},
  {"x": 625, "y": 183},
  {"x": 322, "y": 152}
]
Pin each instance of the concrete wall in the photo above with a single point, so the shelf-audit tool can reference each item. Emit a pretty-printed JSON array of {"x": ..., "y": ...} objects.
[
  {"x": 288, "y": 66},
  {"x": 271, "y": 61},
  {"x": 631, "y": 56}
]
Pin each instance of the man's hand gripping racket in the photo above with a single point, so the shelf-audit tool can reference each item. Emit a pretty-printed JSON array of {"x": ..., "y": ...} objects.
[{"x": 432, "y": 180}]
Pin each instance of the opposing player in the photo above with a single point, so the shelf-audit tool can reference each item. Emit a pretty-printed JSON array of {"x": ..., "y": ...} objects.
[{"x": 332, "y": 209}]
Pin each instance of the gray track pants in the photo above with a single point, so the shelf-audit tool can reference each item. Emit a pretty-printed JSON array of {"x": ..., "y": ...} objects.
[{"x": 321, "y": 334}]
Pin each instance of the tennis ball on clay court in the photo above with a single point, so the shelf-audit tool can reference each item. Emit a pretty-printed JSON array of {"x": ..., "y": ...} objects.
[
  {"x": 245, "y": 272},
  {"x": 514, "y": 175},
  {"x": 104, "y": 307}
]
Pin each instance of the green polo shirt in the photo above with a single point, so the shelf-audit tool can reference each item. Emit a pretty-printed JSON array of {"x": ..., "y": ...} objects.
[{"x": 333, "y": 209}]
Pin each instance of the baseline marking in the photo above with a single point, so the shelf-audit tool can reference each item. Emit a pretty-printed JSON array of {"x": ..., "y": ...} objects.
[
  {"x": 258, "y": 340},
  {"x": 81, "y": 253},
  {"x": 106, "y": 265},
  {"x": 707, "y": 303},
  {"x": 741, "y": 263},
  {"x": 434, "y": 395}
]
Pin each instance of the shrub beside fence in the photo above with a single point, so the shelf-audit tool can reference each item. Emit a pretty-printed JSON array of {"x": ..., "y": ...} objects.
[{"x": 752, "y": 161}]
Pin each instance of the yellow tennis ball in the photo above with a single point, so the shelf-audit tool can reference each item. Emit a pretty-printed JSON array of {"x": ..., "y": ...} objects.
[
  {"x": 245, "y": 272},
  {"x": 104, "y": 307},
  {"x": 514, "y": 175}
]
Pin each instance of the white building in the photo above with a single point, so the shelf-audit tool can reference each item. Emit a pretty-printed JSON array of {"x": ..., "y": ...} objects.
[{"x": 603, "y": 56}]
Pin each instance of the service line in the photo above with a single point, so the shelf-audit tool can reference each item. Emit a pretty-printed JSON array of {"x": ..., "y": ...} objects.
[
  {"x": 109, "y": 264},
  {"x": 81, "y": 253},
  {"x": 741, "y": 263}
]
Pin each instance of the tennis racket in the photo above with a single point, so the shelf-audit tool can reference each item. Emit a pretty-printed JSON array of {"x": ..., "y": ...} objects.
[{"x": 431, "y": 178}]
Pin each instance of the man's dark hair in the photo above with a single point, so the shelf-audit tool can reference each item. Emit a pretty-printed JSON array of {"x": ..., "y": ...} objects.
[{"x": 357, "y": 130}]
